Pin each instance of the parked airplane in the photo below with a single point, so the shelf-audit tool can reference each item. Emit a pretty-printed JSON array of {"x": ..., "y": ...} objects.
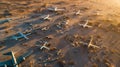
[
  {"x": 44, "y": 46},
  {"x": 20, "y": 35},
  {"x": 77, "y": 13},
  {"x": 85, "y": 25},
  {"x": 46, "y": 17},
  {"x": 13, "y": 62},
  {"x": 89, "y": 44},
  {"x": 55, "y": 9},
  {"x": 5, "y": 20}
]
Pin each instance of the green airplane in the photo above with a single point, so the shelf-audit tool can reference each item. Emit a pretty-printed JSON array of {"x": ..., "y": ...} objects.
[
  {"x": 14, "y": 61},
  {"x": 5, "y": 20}
]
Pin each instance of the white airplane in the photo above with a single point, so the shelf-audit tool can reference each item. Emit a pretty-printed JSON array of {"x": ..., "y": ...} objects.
[
  {"x": 44, "y": 46},
  {"x": 66, "y": 22},
  {"x": 46, "y": 17},
  {"x": 20, "y": 35},
  {"x": 55, "y": 9},
  {"x": 89, "y": 44},
  {"x": 85, "y": 25},
  {"x": 77, "y": 13}
]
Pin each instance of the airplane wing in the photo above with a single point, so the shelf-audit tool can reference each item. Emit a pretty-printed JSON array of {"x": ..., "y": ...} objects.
[
  {"x": 83, "y": 43},
  {"x": 23, "y": 57},
  {"x": 81, "y": 24},
  {"x": 78, "y": 12},
  {"x": 88, "y": 26},
  {"x": 95, "y": 46},
  {"x": 6, "y": 63},
  {"x": 14, "y": 37},
  {"x": 51, "y": 9},
  {"x": 86, "y": 22},
  {"x": 90, "y": 42},
  {"x": 27, "y": 34},
  {"x": 47, "y": 17},
  {"x": 45, "y": 48},
  {"x": 60, "y": 9}
]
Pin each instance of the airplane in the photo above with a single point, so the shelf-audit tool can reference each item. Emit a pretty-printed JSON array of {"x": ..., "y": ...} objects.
[
  {"x": 66, "y": 22},
  {"x": 46, "y": 17},
  {"x": 85, "y": 25},
  {"x": 14, "y": 62},
  {"x": 44, "y": 46},
  {"x": 55, "y": 9},
  {"x": 20, "y": 35},
  {"x": 89, "y": 44},
  {"x": 77, "y": 13},
  {"x": 5, "y": 20}
]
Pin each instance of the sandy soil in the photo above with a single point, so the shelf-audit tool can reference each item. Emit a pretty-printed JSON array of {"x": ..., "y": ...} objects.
[{"x": 66, "y": 51}]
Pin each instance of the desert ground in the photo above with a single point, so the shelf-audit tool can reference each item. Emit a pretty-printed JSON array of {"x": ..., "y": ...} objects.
[{"x": 62, "y": 32}]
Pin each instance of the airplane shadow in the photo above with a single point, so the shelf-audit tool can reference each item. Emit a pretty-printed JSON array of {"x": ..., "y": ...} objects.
[{"x": 8, "y": 44}]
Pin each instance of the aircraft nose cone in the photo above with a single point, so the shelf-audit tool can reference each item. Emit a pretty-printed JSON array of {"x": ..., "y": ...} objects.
[{"x": 23, "y": 58}]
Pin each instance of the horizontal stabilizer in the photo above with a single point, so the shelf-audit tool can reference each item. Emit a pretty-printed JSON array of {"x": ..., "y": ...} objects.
[{"x": 8, "y": 53}]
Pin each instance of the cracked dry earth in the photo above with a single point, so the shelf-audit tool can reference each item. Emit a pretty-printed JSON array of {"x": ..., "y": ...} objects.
[{"x": 63, "y": 32}]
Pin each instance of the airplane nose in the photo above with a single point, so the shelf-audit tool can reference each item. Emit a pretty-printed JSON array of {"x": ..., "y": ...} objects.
[
  {"x": 23, "y": 58},
  {"x": 5, "y": 65}
]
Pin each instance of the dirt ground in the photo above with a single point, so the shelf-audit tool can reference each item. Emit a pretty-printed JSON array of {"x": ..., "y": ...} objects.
[{"x": 65, "y": 49}]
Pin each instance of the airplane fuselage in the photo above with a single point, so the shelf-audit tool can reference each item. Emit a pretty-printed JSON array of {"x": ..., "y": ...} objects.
[{"x": 14, "y": 60}]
